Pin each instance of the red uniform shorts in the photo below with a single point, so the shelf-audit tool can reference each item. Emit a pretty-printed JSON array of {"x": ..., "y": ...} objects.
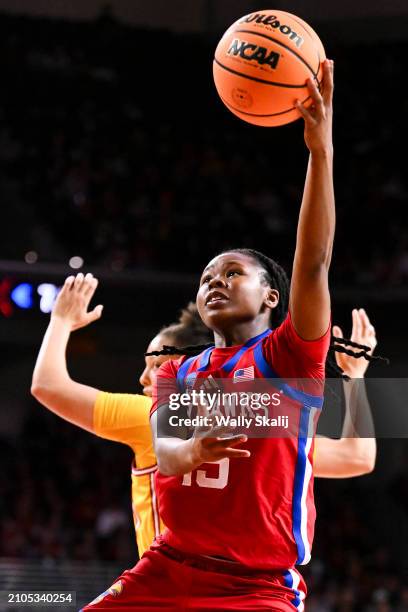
[{"x": 166, "y": 579}]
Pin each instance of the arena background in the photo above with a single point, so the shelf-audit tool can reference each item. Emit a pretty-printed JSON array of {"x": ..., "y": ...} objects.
[{"x": 115, "y": 151}]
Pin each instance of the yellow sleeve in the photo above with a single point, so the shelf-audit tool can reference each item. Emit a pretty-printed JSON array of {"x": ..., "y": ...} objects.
[{"x": 123, "y": 417}]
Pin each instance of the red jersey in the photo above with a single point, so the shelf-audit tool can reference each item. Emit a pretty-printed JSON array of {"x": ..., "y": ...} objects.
[{"x": 258, "y": 511}]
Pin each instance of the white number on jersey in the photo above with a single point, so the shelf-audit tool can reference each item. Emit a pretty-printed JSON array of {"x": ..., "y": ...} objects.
[{"x": 220, "y": 482}]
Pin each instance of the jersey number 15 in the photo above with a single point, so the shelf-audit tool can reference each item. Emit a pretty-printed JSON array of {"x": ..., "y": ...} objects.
[{"x": 210, "y": 482}]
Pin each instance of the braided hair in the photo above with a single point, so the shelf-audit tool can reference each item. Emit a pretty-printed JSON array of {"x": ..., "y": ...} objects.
[
  {"x": 188, "y": 330},
  {"x": 275, "y": 277}
]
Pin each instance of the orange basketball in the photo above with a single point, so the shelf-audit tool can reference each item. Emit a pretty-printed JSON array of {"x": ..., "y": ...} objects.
[{"x": 261, "y": 65}]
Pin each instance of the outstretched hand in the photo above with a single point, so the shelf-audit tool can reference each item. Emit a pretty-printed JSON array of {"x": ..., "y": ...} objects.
[
  {"x": 363, "y": 332},
  {"x": 318, "y": 117},
  {"x": 213, "y": 442},
  {"x": 73, "y": 300},
  {"x": 213, "y": 447}
]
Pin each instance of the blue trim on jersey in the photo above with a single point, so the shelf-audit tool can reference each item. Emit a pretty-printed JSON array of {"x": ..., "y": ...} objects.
[
  {"x": 231, "y": 363},
  {"x": 300, "y": 472},
  {"x": 315, "y": 401},
  {"x": 288, "y": 578},
  {"x": 204, "y": 359},
  {"x": 182, "y": 371},
  {"x": 261, "y": 363},
  {"x": 307, "y": 402}
]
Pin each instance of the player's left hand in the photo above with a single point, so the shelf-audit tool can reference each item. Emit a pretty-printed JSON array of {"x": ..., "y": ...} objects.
[
  {"x": 212, "y": 442},
  {"x": 363, "y": 332},
  {"x": 211, "y": 430},
  {"x": 318, "y": 117}
]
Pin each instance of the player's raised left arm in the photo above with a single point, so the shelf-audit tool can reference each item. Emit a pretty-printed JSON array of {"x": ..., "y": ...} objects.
[
  {"x": 309, "y": 293},
  {"x": 52, "y": 385}
]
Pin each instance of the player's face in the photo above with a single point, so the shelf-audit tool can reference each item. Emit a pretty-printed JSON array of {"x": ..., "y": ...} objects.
[
  {"x": 153, "y": 363},
  {"x": 232, "y": 290}
]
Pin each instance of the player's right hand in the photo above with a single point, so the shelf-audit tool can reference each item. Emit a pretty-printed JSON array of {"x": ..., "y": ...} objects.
[
  {"x": 72, "y": 302},
  {"x": 318, "y": 117}
]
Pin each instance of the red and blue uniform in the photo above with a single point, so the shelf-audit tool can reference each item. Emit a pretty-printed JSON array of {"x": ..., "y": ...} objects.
[
  {"x": 264, "y": 515},
  {"x": 257, "y": 514}
]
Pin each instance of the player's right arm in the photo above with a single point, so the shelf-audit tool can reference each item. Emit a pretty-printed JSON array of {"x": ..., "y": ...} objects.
[
  {"x": 309, "y": 298},
  {"x": 176, "y": 453},
  {"x": 52, "y": 385}
]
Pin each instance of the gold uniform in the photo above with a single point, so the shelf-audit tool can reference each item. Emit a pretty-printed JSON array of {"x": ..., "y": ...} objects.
[{"x": 125, "y": 418}]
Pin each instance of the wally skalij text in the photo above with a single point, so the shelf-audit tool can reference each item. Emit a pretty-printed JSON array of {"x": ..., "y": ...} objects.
[{"x": 255, "y": 407}]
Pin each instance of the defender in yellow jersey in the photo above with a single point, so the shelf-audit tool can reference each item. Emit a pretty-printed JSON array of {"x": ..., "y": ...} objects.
[
  {"x": 114, "y": 416},
  {"x": 125, "y": 418}
]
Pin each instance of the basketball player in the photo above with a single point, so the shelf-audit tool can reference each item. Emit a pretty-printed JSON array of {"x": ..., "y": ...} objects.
[
  {"x": 125, "y": 418},
  {"x": 115, "y": 416},
  {"x": 237, "y": 525}
]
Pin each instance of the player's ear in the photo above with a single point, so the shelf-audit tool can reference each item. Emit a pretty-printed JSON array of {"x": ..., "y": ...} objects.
[{"x": 272, "y": 298}]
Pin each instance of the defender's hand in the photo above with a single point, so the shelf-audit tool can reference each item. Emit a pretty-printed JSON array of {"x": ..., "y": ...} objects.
[
  {"x": 72, "y": 302},
  {"x": 363, "y": 332}
]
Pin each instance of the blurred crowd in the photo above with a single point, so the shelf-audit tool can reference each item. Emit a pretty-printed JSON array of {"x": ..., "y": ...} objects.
[
  {"x": 115, "y": 147},
  {"x": 65, "y": 494},
  {"x": 355, "y": 565}
]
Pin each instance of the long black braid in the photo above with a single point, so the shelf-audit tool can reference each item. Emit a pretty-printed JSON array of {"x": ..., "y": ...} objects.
[
  {"x": 335, "y": 346},
  {"x": 275, "y": 276}
]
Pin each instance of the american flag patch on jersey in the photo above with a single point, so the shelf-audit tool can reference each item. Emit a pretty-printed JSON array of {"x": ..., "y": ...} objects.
[{"x": 244, "y": 374}]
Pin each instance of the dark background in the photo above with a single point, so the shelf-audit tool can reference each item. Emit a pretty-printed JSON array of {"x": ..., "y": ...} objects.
[{"x": 115, "y": 148}]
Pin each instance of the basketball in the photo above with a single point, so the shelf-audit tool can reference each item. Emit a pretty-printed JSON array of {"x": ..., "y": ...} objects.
[{"x": 261, "y": 65}]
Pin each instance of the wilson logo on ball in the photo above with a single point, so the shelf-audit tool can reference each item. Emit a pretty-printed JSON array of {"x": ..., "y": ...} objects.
[
  {"x": 262, "y": 63},
  {"x": 272, "y": 22},
  {"x": 249, "y": 51}
]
